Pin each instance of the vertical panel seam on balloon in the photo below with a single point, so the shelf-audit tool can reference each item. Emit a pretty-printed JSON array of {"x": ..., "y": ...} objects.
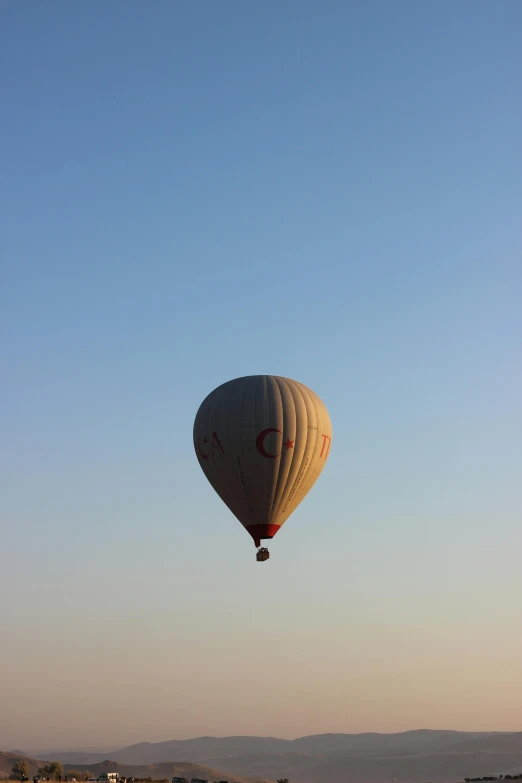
[
  {"x": 307, "y": 482},
  {"x": 226, "y": 419},
  {"x": 299, "y": 473},
  {"x": 253, "y": 423},
  {"x": 324, "y": 418},
  {"x": 290, "y": 385},
  {"x": 267, "y": 467},
  {"x": 280, "y": 486},
  {"x": 301, "y": 478},
  {"x": 242, "y": 476},
  {"x": 274, "y": 492}
]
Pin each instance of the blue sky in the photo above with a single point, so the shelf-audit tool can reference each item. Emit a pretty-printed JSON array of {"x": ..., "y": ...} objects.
[{"x": 193, "y": 192}]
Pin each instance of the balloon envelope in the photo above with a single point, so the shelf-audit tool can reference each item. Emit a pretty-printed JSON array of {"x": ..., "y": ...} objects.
[{"x": 262, "y": 442}]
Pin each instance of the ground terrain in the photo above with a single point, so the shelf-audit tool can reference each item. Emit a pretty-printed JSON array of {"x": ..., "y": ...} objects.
[{"x": 421, "y": 756}]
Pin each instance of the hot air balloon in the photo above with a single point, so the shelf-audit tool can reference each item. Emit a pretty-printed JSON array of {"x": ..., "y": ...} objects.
[{"x": 262, "y": 442}]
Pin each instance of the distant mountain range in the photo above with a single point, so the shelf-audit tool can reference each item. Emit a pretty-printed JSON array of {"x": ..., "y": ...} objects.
[{"x": 421, "y": 756}]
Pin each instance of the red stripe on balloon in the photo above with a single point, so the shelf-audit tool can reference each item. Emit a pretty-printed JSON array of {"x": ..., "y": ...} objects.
[{"x": 262, "y": 531}]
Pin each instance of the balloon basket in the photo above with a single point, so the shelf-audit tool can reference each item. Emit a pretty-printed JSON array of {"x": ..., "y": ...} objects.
[{"x": 262, "y": 555}]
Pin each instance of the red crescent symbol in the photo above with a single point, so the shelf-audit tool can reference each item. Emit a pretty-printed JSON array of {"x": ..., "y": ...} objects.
[
  {"x": 260, "y": 442},
  {"x": 202, "y": 453}
]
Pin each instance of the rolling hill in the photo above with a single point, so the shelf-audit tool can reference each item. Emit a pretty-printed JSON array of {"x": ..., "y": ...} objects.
[
  {"x": 423, "y": 756},
  {"x": 496, "y": 743},
  {"x": 155, "y": 771},
  {"x": 319, "y": 747},
  {"x": 8, "y": 759}
]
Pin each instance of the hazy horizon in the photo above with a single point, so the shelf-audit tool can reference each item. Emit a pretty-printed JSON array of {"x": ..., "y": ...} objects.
[
  {"x": 328, "y": 191},
  {"x": 116, "y": 746},
  {"x": 34, "y": 748}
]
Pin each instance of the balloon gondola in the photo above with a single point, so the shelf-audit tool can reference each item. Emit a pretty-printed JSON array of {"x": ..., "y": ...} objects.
[{"x": 262, "y": 441}]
